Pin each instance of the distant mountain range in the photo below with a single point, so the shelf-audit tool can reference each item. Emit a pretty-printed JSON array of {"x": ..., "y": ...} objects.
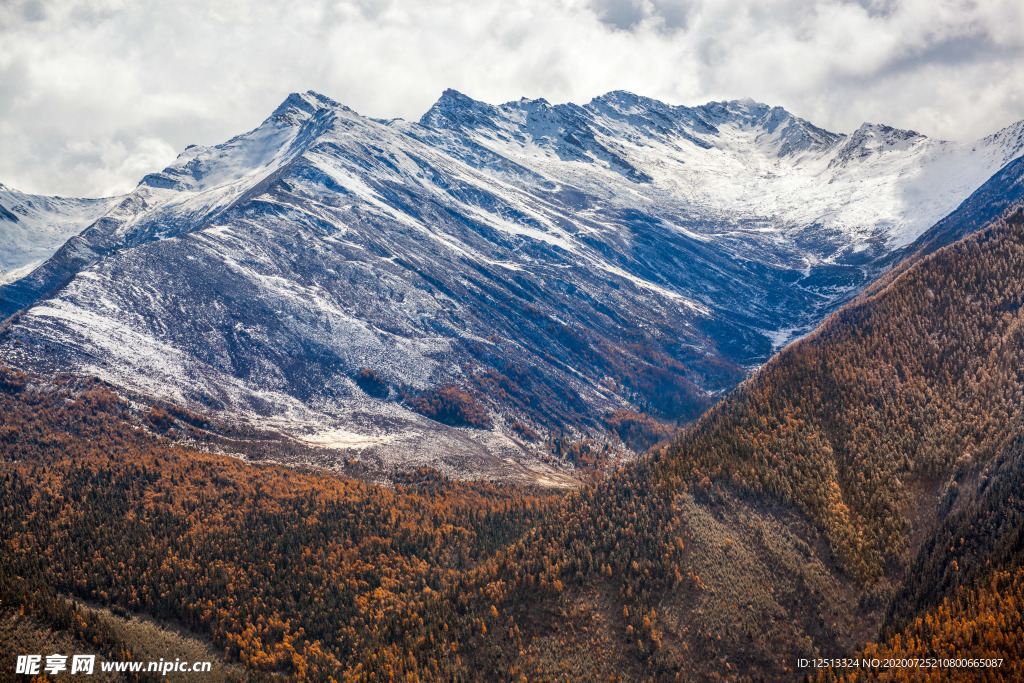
[
  {"x": 457, "y": 291},
  {"x": 32, "y": 227}
]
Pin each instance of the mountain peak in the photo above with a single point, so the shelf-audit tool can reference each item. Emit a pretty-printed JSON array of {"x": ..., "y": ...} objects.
[
  {"x": 532, "y": 103},
  {"x": 453, "y": 109},
  {"x": 299, "y": 107},
  {"x": 619, "y": 97},
  {"x": 880, "y": 129},
  {"x": 289, "y": 130},
  {"x": 451, "y": 97},
  {"x": 876, "y": 138},
  {"x": 625, "y": 102},
  {"x": 745, "y": 111},
  {"x": 1010, "y": 137}
]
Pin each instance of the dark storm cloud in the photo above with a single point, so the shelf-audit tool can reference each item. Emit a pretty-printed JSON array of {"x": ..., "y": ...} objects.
[{"x": 96, "y": 93}]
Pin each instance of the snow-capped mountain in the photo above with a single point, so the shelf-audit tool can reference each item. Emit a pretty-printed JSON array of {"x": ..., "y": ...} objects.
[
  {"x": 879, "y": 187},
  {"x": 33, "y": 227},
  {"x": 556, "y": 262}
]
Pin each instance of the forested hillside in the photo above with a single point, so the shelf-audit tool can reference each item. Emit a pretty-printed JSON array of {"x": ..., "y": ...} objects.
[
  {"x": 285, "y": 571},
  {"x": 779, "y": 526},
  {"x": 861, "y": 487}
]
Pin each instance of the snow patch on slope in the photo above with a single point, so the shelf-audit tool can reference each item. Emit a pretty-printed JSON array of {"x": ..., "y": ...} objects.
[{"x": 32, "y": 227}]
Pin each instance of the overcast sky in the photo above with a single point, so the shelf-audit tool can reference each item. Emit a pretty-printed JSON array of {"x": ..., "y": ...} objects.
[{"x": 96, "y": 93}]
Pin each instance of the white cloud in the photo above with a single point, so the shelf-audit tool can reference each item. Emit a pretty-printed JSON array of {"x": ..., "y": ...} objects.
[{"x": 95, "y": 93}]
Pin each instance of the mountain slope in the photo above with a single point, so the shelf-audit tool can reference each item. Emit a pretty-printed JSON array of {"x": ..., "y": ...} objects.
[
  {"x": 986, "y": 204},
  {"x": 511, "y": 271},
  {"x": 32, "y": 227},
  {"x": 878, "y": 187},
  {"x": 781, "y": 523},
  {"x": 202, "y": 183},
  {"x": 194, "y": 534}
]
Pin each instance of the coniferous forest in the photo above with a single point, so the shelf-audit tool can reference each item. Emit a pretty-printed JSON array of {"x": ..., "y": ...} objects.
[{"x": 859, "y": 497}]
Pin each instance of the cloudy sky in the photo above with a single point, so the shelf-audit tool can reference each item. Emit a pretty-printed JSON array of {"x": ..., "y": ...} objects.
[{"x": 96, "y": 93}]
